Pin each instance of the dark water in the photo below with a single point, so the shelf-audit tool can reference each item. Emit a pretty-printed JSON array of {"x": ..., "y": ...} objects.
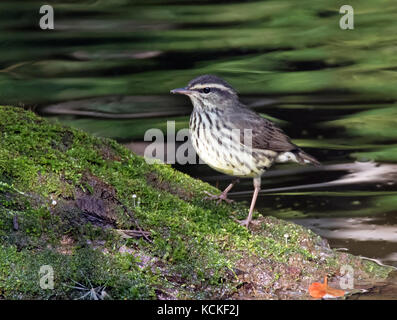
[{"x": 108, "y": 66}]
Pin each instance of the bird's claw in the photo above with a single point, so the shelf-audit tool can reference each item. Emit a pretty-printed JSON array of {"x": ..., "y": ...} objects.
[
  {"x": 243, "y": 223},
  {"x": 219, "y": 198}
]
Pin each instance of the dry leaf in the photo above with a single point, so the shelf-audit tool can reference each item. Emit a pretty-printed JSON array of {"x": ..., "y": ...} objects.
[{"x": 319, "y": 290}]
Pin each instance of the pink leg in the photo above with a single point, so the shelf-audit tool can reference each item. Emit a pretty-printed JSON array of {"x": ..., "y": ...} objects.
[
  {"x": 257, "y": 186},
  {"x": 223, "y": 195}
]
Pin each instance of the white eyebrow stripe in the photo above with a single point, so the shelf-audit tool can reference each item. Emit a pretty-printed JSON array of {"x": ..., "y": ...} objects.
[{"x": 211, "y": 85}]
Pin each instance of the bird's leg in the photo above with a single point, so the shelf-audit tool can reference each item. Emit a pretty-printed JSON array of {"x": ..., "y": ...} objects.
[
  {"x": 257, "y": 186},
  {"x": 223, "y": 195}
]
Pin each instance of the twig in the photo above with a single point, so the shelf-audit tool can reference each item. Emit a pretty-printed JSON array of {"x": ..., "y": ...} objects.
[
  {"x": 15, "y": 222},
  {"x": 143, "y": 233},
  {"x": 377, "y": 262},
  {"x": 3, "y": 184},
  {"x": 132, "y": 233}
]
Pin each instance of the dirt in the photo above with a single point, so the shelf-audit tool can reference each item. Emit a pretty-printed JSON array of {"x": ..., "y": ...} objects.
[
  {"x": 155, "y": 181},
  {"x": 108, "y": 153},
  {"x": 99, "y": 201}
]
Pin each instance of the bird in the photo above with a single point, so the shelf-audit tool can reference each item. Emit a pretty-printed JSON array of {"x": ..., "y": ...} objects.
[{"x": 233, "y": 139}]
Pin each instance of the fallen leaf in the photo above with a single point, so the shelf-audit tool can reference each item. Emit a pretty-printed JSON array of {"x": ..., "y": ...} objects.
[{"x": 319, "y": 290}]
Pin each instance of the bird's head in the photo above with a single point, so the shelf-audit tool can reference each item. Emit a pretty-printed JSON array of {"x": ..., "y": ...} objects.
[{"x": 208, "y": 92}]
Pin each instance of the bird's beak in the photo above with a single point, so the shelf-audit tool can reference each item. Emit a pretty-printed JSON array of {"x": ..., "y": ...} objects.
[{"x": 182, "y": 91}]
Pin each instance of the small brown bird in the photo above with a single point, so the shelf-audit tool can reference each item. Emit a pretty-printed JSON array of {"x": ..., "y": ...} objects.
[{"x": 233, "y": 139}]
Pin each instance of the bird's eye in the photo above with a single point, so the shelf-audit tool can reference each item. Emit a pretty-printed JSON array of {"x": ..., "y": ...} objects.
[{"x": 206, "y": 90}]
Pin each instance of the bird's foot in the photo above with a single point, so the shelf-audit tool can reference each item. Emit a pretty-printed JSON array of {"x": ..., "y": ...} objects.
[
  {"x": 221, "y": 197},
  {"x": 244, "y": 223}
]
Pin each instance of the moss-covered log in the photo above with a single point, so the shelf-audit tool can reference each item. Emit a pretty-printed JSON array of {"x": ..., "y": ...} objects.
[{"x": 102, "y": 218}]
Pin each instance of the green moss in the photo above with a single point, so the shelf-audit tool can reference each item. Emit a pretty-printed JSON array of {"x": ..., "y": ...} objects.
[
  {"x": 70, "y": 191},
  {"x": 20, "y": 274},
  {"x": 376, "y": 269}
]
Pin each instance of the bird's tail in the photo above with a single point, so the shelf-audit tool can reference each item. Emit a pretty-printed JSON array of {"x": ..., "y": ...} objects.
[{"x": 305, "y": 158}]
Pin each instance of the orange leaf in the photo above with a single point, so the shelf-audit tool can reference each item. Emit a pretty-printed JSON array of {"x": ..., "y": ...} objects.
[
  {"x": 319, "y": 290},
  {"x": 335, "y": 292}
]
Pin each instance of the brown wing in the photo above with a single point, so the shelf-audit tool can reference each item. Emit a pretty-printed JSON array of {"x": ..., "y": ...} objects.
[{"x": 265, "y": 134}]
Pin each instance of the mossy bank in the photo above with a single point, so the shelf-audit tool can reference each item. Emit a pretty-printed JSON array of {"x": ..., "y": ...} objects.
[{"x": 101, "y": 218}]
